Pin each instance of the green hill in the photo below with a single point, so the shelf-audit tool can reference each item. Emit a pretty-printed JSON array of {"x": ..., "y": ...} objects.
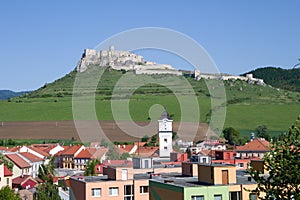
[
  {"x": 247, "y": 105},
  {"x": 288, "y": 79}
]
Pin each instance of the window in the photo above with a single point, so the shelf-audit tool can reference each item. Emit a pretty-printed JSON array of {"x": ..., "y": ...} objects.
[
  {"x": 7, "y": 181},
  {"x": 124, "y": 174},
  {"x": 96, "y": 192},
  {"x": 128, "y": 192},
  {"x": 234, "y": 195},
  {"x": 166, "y": 140},
  {"x": 241, "y": 164},
  {"x": 197, "y": 197},
  {"x": 144, "y": 189},
  {"x": 203, "y": 160},
  {"x": 252, "y": 196},
  {"x": 113, "y": 191},
  {"x": 146, "y": 163},
  {"x": 217, "y": 197},
  {"x": 165, "y": 147}
]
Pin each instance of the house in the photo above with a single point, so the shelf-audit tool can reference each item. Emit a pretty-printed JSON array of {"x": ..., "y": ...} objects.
[
  {"x": 67, "y": 156},
  {"x": 178, "y": 157},
  {"x": 203, "y": 156},
  {"x": 118, "y": 182},
  {"x": 147, "y": 151},
  {"x": 34, "y": 161},
  {"x": 24, "y": 182},
  {"x": 142, "y": 162},
  {"x": 211, "y": 145},
  {"x": 21, "y": 166},
  {"x": 90, "y": 153},
  {"x": 5, "y": 176},
  {"x": 35, "y": 151},
  {"x": 228, "y": 157},
  {"x": 51, "y": 149},
  {"x": 257, "y": 148},
  {"x": 127, "y": 148},
  {"x": 214, "y": 181}
]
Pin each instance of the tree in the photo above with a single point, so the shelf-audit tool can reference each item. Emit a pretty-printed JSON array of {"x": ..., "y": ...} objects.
[
  {"x": 262, "y": 132},
  {"x": 124, "y": 156},
  {"x": 113, "y": 153},
  {"x": 283, "y": 164},
  {"x": 90, "y": 167},
  {"x": 145, "y": 138},
  {"x": 231, "y": 135},
  {"x": 7, "y": 162},
  {"x": 8, "y": 194},
  {"x": 47, "y": 190}
]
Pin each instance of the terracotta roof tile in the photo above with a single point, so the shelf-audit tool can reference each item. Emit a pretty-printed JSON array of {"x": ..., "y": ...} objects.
[
  {"x": 125, "y": 148},
  {"x": 14, "y": 149},
  {"x": 257, "y": 144},
  {"x": 20, "y": 179},
  {"x": 71, "y": 150},
  {"x": 84, "y": 154},
  {"x": 45, "y": 154},
  {"x": 31, "y": 157},
  {"x": 92, "y": 153},
  {"x": 118, "y": 162},
  {"x": 146, "y": 151},
  {"x": 17, "y": 160},
  {"x": 7, "y": 172}
]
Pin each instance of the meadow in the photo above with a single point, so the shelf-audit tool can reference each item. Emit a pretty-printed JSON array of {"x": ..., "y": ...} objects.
[{"x": 248, "y": 106}]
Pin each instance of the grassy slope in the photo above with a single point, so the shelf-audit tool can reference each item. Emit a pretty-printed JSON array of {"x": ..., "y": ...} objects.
[{"x": 246, "y": 109}]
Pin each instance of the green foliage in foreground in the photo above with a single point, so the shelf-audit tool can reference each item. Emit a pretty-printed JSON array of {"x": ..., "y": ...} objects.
[
  {"x": 283, "y": 164},
  {"x": 47, "y": 190},
  {"x": 8, "y": 194},
  {"x": 90, "y": 169}
]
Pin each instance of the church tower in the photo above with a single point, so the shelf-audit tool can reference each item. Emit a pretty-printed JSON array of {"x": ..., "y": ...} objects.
[{"x": 165, "y": 135}]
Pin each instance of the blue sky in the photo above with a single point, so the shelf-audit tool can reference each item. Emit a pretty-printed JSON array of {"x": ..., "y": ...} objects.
[{"x": 42, "y": 41}]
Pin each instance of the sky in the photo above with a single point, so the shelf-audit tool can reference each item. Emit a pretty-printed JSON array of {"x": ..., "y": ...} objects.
[{"x": 42, "y": 41}]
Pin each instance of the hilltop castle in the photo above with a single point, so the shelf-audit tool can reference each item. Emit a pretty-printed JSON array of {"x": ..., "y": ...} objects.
[
  {"x": 125, "y": 60},
  {"x": 122, "y": 60}
]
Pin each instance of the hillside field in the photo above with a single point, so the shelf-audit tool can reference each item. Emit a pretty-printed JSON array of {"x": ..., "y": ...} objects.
[{"x": 248, "y": 106}]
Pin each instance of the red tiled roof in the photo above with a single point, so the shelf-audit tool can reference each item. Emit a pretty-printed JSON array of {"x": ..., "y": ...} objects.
[
  {"x": 31, "y": 157},
  {"x": 7, "y": 172},
  {"x": 25, "y": 181},
  {"x": 3, "y": 148},
  {"x": 140, "y": 144},
  {"x": 14, "y": 149},
  {"x": 84, "y": 154},
  {"x": 146, "y": 151},
  {"x": 125, "y": 148},
  {"x": 17, "y": 160},
  {"x": 45, "y": 147},
  {"x": 18, "y": 180},
  {"x": 71, "y": 150},
  {"x": 118, "y": 162},
  {"x": 257, "y": 144},
  {"x": 39, "y": 151}
]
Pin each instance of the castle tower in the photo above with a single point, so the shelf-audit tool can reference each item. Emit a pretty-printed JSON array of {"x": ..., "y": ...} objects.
[
  {"x": 112, "y": 50},
  {"x": 165, "y": 135}
]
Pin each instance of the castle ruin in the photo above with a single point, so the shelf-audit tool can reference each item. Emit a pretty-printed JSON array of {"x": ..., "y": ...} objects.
[{"x": 122, "y": 60}]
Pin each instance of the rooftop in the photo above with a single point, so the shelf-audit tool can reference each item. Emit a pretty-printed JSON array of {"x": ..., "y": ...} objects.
[
  {"x": 258, "y": 144},
  {"x": 17, "y": 160},
  {"x": 31, "y": 157},
  {"x": 182, "y": 181}
]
